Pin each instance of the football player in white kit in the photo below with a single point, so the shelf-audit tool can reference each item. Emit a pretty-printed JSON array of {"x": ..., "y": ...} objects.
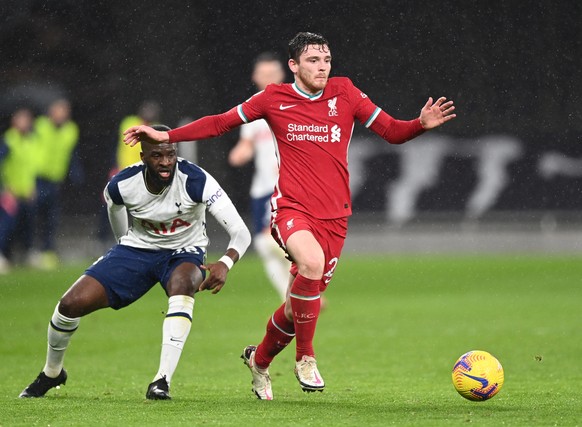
[
  {"x": 167, "y": 198},
  {"x": 256, "y": 140}
]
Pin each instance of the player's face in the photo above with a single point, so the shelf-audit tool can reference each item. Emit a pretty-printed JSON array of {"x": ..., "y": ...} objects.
[
  {"x": 160, "y": 161},
  {"x": 313, "y": 68},
  {"x": 267, "y": 72}
]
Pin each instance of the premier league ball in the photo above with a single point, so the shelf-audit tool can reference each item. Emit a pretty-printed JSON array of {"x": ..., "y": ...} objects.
[{"x": 477, "y": 375}]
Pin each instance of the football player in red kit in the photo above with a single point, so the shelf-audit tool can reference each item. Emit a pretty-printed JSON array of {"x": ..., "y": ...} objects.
[{"x": 312, "y": 120}]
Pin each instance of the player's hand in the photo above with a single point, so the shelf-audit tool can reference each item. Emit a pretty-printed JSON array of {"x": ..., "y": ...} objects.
[
  {"x": 136, "y": 134},
  {"x": 434, "y": 115},
  {"x": 215, "y": 278}
]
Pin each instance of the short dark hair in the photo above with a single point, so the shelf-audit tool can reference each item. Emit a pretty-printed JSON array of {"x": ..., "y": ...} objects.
[
  {"x": 267, "y": 57},
  {"x": 302, "y": 40},
  {"x": 163, "y": 128}
]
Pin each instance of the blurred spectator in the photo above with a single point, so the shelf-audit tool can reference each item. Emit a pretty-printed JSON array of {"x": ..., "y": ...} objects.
[
  {"x": 18, "y": 159},
  {"x": 148, "y": 114},
  {"x": 58, "y": 136}
]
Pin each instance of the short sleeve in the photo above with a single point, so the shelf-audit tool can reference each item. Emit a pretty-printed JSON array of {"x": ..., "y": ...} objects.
[
  {"x": 112, "y": 193},
  {"x": 213, "y": 195},
  {"x": 196, "y": 180}
]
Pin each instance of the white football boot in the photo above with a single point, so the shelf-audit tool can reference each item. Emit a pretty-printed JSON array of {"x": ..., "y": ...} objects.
[
  {"x": 261, "y": 379},
  {"x": 308, "y": 375}
]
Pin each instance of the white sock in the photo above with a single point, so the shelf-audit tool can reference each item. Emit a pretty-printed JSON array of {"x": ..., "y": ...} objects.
[
  {"x": 174, "y": 334},
  {"x": 60, "y": 331},
  {"x": 276, "y": 266}
]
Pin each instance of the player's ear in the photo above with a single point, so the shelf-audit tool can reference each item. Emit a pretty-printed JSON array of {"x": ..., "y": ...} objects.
[{"x": 293, "y": 65}]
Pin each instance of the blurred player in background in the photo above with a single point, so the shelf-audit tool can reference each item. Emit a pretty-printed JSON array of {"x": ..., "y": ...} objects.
[
  {"x": 256, "y": 140},
  {"x": 18, "y": 157},
  {"x": 58, "y": 137},
  {"x": 148, "y": 114},
  {"x": 167, "y": 198},
  {"x": 312, "y": 121}
]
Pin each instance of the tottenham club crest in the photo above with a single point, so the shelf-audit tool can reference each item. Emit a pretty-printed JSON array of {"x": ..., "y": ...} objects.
[{"x": 332, "y": 107}]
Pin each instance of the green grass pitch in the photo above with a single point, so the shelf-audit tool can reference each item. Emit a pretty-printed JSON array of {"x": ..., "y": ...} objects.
[{"x": 386, "y": 344}]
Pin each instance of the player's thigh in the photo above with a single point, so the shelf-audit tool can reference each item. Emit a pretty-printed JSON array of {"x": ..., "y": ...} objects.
[
  {"x": 185, "y": 279},
  {"x": 86, "y": 295},
  {"x": 307, "y": 253}
]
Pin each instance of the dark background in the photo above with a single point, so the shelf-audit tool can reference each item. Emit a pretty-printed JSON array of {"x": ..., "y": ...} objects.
[{"x": 511, "y": 67}]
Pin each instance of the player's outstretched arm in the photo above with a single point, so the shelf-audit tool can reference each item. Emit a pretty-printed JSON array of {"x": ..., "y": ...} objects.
[
  {"x": 136, "y": 134},
  {"x": 435, "y": 114}
]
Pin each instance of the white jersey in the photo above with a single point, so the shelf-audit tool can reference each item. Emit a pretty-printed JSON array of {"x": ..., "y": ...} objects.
[
  {"x": 175, "y": 218},
  {"x": 266, "y": 169}
]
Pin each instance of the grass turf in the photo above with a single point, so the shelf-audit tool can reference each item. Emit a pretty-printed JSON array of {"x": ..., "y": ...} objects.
[{"x": 386, "y": 344}]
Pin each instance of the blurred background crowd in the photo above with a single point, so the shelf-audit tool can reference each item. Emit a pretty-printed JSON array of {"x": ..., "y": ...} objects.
[{"x": 73, "y": 74}]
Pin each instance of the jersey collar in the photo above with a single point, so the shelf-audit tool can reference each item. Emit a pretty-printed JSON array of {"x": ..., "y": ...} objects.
[{"x": 306, "y": 95}]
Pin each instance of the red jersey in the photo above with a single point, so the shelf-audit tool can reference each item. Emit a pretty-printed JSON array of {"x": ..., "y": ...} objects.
[{"x": 312, "y": 134}]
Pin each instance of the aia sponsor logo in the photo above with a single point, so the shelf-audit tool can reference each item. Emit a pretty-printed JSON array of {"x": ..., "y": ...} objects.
[{"x": 164, "y": 228}]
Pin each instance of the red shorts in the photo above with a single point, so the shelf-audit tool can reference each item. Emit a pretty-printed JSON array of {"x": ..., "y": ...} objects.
[{"x": 329, "y": 233}]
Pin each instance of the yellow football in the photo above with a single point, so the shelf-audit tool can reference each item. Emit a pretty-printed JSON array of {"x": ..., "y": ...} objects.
[{"x": 477, "y": 375}]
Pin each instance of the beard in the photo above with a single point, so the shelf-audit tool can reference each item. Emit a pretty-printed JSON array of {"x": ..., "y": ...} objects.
[
  {"x": 158, "y": 179},
  {"x": 313, "y": 84}
]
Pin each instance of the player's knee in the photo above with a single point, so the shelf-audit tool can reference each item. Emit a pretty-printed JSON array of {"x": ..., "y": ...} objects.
[
  {"x": 184, "y": 285},
  {"x": 69, "y": 307},
  {"x": 311, "y": 266},
  {"x": 185, "y": 280}
]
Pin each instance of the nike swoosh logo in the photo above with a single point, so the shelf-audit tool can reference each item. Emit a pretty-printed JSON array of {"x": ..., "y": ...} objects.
[
  {"x": 483, "y": 381},
  {"x": 172, "y": 339},
  {"x": 317, "y": 379},
  {"x": 304, "y": 321},
  {"x": 285, "y": 107}
]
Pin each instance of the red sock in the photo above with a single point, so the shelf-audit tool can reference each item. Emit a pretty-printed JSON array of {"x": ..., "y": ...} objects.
[
  {"x": 280, "y": 332},
  {"x": 305, "y": 303}
]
